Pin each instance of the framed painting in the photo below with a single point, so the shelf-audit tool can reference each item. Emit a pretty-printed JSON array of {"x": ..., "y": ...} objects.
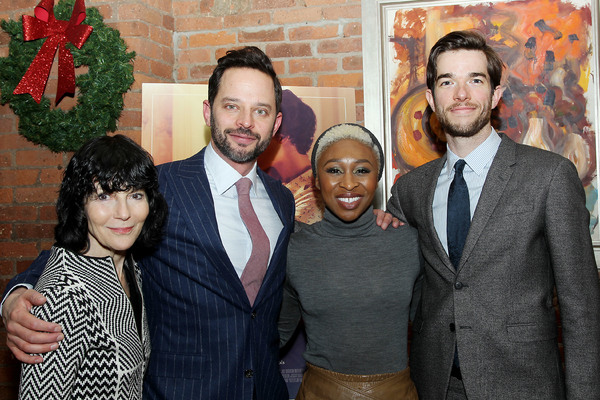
[{"x": 551, "y": 100}]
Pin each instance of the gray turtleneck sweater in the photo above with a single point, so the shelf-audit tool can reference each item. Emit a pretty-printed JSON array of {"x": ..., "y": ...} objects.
[{"x": 352, "y": 284}]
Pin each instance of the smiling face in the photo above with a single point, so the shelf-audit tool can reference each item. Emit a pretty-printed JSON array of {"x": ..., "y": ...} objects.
[
  {"x": 347, "y": 177},
  {"x": 243, "y": 117},
  {"x": 115, "y": 221},
  {"x": 463, "y": 98}
]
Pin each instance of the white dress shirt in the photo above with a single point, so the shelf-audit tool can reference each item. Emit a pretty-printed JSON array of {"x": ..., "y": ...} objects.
[
  {"x": 475, "y": 173},
  {"x": 234, "y": 235}
]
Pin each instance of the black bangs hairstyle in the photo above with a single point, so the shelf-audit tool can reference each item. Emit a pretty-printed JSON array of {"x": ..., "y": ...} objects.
[
  {"x": 115, "y": 163},
  {"x": 248, "y": 57}
]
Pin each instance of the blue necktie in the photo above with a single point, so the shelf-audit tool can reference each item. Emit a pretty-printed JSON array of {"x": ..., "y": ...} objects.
[
  {"x": 459, "y": 214},
  {"x": 459, "y": 220}
]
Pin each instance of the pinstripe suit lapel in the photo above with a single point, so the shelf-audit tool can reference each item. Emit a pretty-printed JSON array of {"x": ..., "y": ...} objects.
[
  {"x": 193, "y": 191},
  {"x": 495, "y": 183},
  {"x": 277, "y": 202}
]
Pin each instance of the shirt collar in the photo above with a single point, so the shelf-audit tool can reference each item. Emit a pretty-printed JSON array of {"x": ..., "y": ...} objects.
[
  {"x": 478, "y": 158},
  {"x": 224, "y": 175}
]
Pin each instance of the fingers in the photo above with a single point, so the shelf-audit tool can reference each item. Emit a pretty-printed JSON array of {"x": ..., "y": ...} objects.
[
  {"x": 33, "y": 297},
  {"x": 383, "y": 220},
  {"x": 25, "y": 332},
  {"x": 396, "y": 222},
  {"x": 21, "y": 349},
  {"x": 16, "y": 313},
  {"x": 21, "y": 356}
]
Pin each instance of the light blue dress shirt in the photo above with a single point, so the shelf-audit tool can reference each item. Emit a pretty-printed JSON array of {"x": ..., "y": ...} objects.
[
  {"x": 475, "y": 173},
  {"x": 222, "y": 178}
]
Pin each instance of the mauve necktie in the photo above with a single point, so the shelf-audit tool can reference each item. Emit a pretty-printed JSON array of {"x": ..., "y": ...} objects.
[
  {"x": 459, "y": 214},
  {"x": 256, "y": 267}
]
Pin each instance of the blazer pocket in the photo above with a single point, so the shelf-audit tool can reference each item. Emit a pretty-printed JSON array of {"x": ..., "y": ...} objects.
[
  {"x": 531, "y": 332},
  {"x": 513, "y": 209}
]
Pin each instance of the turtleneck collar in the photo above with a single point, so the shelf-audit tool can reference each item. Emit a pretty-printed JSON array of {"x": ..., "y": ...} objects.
[{"x": 334, "y": 226}]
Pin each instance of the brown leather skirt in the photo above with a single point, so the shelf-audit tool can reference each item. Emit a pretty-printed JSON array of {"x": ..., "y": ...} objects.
[{"x": 321, "y": 384}]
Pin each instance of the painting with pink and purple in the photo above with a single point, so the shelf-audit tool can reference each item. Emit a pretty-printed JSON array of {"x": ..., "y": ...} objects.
[{"x": 551, "y": 92}]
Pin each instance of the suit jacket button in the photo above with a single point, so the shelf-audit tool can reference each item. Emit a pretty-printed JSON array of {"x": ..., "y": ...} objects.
[
  {"x": 248, "y": 373},
  {"x": 253, "y": 315},
  {"x": 458, "y": 285},
  {"x": 452, "y": 327}
]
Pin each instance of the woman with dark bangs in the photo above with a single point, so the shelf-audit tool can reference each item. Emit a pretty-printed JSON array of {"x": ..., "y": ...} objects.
[{"x": 109, "y": 208}]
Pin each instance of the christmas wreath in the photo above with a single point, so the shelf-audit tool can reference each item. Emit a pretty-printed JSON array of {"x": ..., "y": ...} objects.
[{"x": 23, "y": 74}]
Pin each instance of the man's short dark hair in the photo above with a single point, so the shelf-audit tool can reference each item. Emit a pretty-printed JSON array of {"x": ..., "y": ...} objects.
[
  {"x": 248, "y": 57},
  {"x": 116, "y": 163},
  {"x": 464, "y": 40}
]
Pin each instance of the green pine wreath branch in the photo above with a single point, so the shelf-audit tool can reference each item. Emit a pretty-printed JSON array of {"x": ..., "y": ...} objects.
[{"x": 100, "y": 91}]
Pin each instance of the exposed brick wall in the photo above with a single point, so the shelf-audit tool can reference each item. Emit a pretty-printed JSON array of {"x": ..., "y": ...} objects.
[{"x": 311, "y": 42}]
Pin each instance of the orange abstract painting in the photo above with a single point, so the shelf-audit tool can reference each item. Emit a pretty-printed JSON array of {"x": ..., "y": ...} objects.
[{"x": 551, "y": 92}]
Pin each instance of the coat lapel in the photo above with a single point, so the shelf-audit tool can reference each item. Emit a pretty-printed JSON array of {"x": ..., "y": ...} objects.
[
  {"x": 427, "y": 210},
  {"x": 275, "y": 262},
  {"x": 196, "y": 198},
  {"x": 193, "y": 191},
  {"x": 495, "y": 183}
]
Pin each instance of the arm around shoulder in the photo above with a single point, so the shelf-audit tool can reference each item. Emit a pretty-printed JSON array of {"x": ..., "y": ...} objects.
[
  {"x": 26, "y": 333},
  {"x": 56, "y": 376}
]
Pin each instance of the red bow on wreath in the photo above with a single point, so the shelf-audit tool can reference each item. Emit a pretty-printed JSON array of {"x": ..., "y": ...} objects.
[{"x": 59, "y": 33}]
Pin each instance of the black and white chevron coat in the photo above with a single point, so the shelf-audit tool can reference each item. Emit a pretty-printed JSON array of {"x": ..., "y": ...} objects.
[{"x": 102, "y": 355}]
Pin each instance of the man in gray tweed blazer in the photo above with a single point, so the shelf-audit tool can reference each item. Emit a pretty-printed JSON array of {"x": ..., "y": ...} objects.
[{"x": 486, "y": 327}]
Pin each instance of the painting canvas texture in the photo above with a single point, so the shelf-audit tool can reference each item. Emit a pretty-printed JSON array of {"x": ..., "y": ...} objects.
[{"x": 550, "y": 100}]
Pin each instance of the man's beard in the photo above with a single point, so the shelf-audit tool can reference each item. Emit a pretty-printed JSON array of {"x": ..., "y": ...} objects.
[
  {"x": 458, "y": 130},
  {"x": 240, "y": 155}
]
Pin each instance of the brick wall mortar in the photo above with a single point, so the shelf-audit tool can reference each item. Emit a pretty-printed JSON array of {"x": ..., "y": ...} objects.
[{"x": 293, "y": 47}]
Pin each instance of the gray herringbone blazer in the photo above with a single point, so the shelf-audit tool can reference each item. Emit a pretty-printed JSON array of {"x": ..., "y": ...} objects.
[{"x": 529, "y": 234}]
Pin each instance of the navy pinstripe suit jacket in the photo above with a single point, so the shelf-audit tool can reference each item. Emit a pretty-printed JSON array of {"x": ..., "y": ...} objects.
[{"x": 207, "y": 341}]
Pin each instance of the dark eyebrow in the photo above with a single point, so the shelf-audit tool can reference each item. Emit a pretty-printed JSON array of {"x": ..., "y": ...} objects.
[
  {"x": 478, "y": 75},
  {"x": 446, "y": 75},
  {"x": 236, "y": 100},
  {"x": 232, "y": 99},
  {"x": 450, "y": 75}
]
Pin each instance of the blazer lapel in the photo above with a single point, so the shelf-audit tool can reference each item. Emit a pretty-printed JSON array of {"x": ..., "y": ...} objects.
[
  {"x": 495, "y": 183},
  {"x": 427, "y": 210},
  {"x": 193, "y": 191},
  {"x": 278, "y": 203}
]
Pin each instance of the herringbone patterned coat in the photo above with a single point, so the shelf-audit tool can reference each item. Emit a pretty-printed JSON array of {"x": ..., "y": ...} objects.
[{"x": 102, "y": 355}]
